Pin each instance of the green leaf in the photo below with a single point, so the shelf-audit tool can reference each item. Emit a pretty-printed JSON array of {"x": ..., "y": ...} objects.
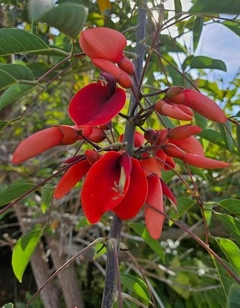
[
  {"x": 13, "y": 192},
  {"x": 47, "y": 196},
  {"x": 183, "y": 205},
  {"x": 8, "y": 305},
  {"x": 214, "y": 137},
  {"x": 233, "y": 296},
  {"x": 238, "y": 138},
  {"x": 170, "y": 44},
  {"x": 231, "y": 224},
  {"x": 207, "y": 62},
  {"x": 71, "y": 17},
  {"x": 36, "y": 9},
  {"x": 136, "y": 285},
  {"x": 231, "y": 251},
  {"x": 153, "y": 244},
  {"x": 216, "y": 7},
  {"x": 197, "y": 30},
  {"x": 226, "y": 131},
  {"x": 232, "y": 205},
  {"x": 178, "y": 9},
  {"x": 13, "y": 93},
  {"x": 23, "y": 251},
  {"x": 14, "y": 41},
  {"x": 10, "y": 74},
  {"x": 233, "y": 25}
]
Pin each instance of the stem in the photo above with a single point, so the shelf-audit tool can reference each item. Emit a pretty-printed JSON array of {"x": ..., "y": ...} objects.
[{"x": 113, "y": 242}]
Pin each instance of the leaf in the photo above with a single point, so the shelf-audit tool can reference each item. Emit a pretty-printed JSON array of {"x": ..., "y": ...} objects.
[
  {"x": 214, "y": 137},
  {"x": 12, "y": 73},
  {"x": 136, "y": 285},
  {"x": 197, "y": 30},
  {"x": 13, "y": 192},
  {"x": 232, "y": 205},
  {"x": 14, "y": 41},
  {"x": 68, "y": 18},
  {"x": 169, "y": 44},
  {"x": 23, "y": 251},
  {"x": 47, "y": 196},
  {"x": 231, "y": 251},
  {"x": 8, "y": 305},
  {"x": 207, "y": 62},
  {"x": 233, "y": 25},
  {"x": 238, "y": 138},
  {"x": 36, "y": 9},
  {"x": 231, "y": 224},
  {"x": 226, "y": 131},
  {"x": 178, "y": 8},
  {"x": 13, "y": 93},
  {"x": 104, "y": 6},
  {"x": 153, "y": 244},
  {"x": 233, "y": 296},
  {"x": 216, "y": 7},
  {"x": 183, "y": 205}
]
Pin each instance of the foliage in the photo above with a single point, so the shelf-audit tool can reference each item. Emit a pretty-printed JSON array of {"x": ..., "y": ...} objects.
[{"x": 195, "y": 263}]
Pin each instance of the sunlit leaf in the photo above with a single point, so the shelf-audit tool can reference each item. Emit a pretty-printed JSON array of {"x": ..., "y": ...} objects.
[
  {"x": 232, "y": 224},
  {"x": 136, "y": 285},
  {"x": 197, "y": 30},
  {"x": 104, "y": 5},
  {"x": 233, "y": 25},
  {"x": 216, "y": 7},
  {"x": 231, "y": 251},
  {"x": 13, "y": 93},
  {"x": 153, "y": 244},
  {"x": 183, "y": 204},
  {"x": 226, "y": 132},
  {"x": 13, "y": 192},
  {"x": 10, "y": 74},
  {"x": 68, "y": 18},
  {"x": 23, "y": 251},
  {"x": 8, "y": 305},
  {"x": 233, "y": 296},
  {"x": 232, "y": 205},
  {"x": 47, "y": 196},
  {"x": 207, "y": 62}
]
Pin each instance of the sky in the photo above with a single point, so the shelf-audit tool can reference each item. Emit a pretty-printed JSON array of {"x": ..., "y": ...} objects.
[{"x": 216, "y": 42}]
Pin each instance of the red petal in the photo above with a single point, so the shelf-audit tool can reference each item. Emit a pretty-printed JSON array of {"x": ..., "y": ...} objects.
[
  {"x": 190, "y": 145},
  {"x": 183, "y": 131},
  {"x": 100, "y": 191},
  {"x": 103, "y": 43},
  {"x": 167, "y": 192},
  {"x": 204, "y": 162},
  {"x": 136, "y": 193},
  {"x": 72, "y": 176},
  {"x": 172, "y": 111},
  {"x": 151, "y": 165},
  {"x": 153, "y": 219},
  {"x": 37, "y": 143},
  {"x": 92, "y": 105}
]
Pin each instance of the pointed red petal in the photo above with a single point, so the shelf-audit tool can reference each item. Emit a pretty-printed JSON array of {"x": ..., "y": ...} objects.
[
  {"x": 136, "y": 193},
  {"x": 151, "y": 165},
  {"x": 183, "y": 131},
  {"x": 204, "y": 162},
  {"x": 103, "y": 43},
  {"x": 153, "y": 219},
  {"x": 101, "y": 191},
  {"x": 167, "y": 192},
  {"x": 190, "y": 145},
  {"x": 172, "y": 111},
  {"x": 37, "y": 143},
  {"x": 72, "y": 176},
  {"x": 92, "y": 105}
]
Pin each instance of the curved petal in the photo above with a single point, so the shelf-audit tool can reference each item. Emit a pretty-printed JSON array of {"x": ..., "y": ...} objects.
[
  {"x": 153, "y": 219},
  {"x": 204, "y": 162},
  {"x": 101, "y": 191},
  {"x": 190, "y": 145},
  {"x": 103, "y": 43},
  {"x": 136, "y": 193},
  {"x": 70, "y": 178},
  {"x": 92, "y": 105},
  {"x": 37, "y": 143},
  {"x": 151, "y": 166}
]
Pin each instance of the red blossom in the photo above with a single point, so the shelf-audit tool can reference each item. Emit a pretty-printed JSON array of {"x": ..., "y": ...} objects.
[
  {"x": 97, "y": 103},
  {"x": 44, "y": 140}
]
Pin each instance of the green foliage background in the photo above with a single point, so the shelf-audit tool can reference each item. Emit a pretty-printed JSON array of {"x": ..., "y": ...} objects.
[{"x": 40, "y": 71}]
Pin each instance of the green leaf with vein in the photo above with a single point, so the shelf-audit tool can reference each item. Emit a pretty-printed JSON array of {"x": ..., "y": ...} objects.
[
  {"x": 11, "y": 74},
  {"x": 232, "y": 224},
  {"x": 231, "y": 251},
  {"x": 13, "y": 93},
  {"x": 233, "y": 296},
  {"x": 197, "y": 30},
  {"x": 13, "y": 192},
  {"x": 233, "y": 25},
  {"x": 136, "y": 285},
  {"x": 207, "y": 63},
  {"x": 216, "y": 7},
  {"x": 13, "y": 41},
  {"x": 23, "y": 251},
  {"x": 183, "y": 204},
  {"x": 153, "y": 244},
  {"x": 68, "y": 18},
  {"x": 232, "y": 205}
]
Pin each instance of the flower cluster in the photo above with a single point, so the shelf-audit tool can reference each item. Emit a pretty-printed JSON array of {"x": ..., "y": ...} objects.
[{"x": 114, "y": 180}]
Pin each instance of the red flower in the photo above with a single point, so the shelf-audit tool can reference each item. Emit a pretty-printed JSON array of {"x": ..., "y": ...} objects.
[
  {"x": 109, "y": 181},
  {"x": 105, "y": 48},
  {"x": 97, "y": 103},
  {"x": 44, "y": 140},
  {"x": 197, "y": 101}
]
